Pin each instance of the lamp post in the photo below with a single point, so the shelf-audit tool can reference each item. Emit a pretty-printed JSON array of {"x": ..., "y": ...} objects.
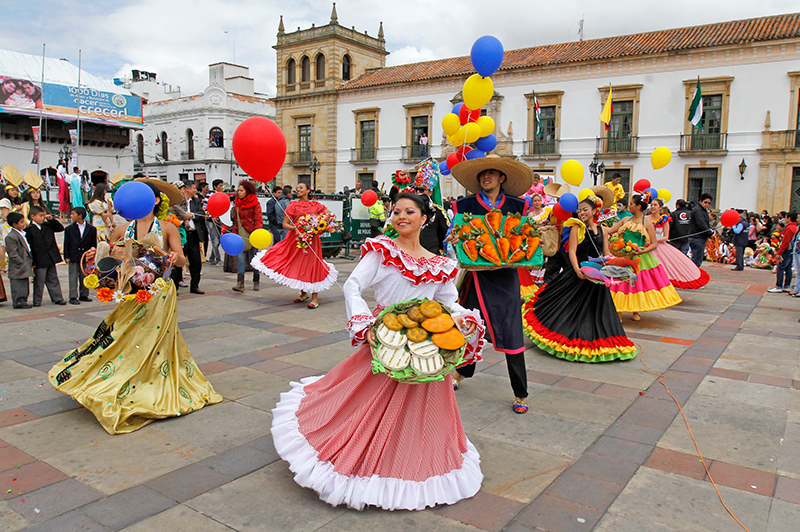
[
  {"x": 596, "y": 169},
  {"x": 65, "y": 154},
  {"x": 314, "y": 167},
  {"x": 742, "y": 168}
]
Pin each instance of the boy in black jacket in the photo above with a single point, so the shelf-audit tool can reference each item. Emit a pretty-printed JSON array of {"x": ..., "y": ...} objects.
[
  {"x": 41, "y": 237},
  {"x": 79, "y": 237}
]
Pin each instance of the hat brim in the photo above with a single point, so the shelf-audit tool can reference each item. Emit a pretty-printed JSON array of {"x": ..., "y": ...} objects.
[
  {"x": 173, "y": 194},
  {"x": 556, "y": 189},
  {"x": 605, "y": 194},
  {"x": 519, "y": 176}
]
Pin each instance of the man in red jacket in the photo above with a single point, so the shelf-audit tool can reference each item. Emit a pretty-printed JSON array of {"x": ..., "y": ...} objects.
[{"x": 784, "y": 271}]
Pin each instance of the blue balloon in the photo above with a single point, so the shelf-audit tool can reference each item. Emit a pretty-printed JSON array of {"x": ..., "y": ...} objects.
[
  {"x": 457, "y": 108},
  {"x": 486, "y": 55},
  {"x": 443, "y": 168},
  {"x": 569, "y": 202},
  {"x": 653, "y": 193},
  {"x": 232, "y": 243},
  {"x": 475, "y": 154},
  {"x": 487, "y": 143},
  {"x": 134, "y": 200}
]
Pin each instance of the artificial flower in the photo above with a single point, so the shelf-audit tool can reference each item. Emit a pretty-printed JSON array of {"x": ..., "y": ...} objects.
[
  {"x": 118, "y": 297},
  {"x": 105, "y": 294},
  {"x": 143, "y": 296},
  {"x": 91, "y": 281}
]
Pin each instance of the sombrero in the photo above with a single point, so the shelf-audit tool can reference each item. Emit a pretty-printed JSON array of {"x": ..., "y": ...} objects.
[
  {"x": 556, "y": 189},
  {"x": 605, "y": 194},
  {"x": 173, "y": 194},
  {"x": 519, "y": 176}
]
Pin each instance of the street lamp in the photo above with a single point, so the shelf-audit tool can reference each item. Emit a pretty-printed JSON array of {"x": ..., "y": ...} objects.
[
  {"x": 65, "y": 154},
  {"x": 742, "y": 168},
  {"x": 596, "y": 169},
  {"x": 314, "y": 167}
]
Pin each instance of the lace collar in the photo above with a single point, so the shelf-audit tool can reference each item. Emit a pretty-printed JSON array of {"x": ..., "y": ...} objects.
[{"x": 437, "y": 269}]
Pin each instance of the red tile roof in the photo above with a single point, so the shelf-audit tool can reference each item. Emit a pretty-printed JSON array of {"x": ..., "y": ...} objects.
[{"x": 770, "y": 28}]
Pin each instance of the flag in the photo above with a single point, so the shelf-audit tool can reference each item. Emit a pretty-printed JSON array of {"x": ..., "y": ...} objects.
[
  {"x": 608, "y": 110},
  {"x": 537, "y": 115},
  {"x": 696, "y": 109},
  {"x": 36, "y": 138}
]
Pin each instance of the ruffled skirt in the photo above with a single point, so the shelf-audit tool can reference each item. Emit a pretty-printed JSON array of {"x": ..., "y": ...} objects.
[
  {"x": 290, "y": 266},
  {"x": 364, "y": 439},
  {"x": 652, "y": 290},
  {"x": 680, "y": 269}
]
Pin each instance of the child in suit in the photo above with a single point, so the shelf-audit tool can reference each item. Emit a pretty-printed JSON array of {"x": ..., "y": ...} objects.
[
  {"x": 79, "y": 237},
  {"x": 42, "y": 240},
  {"x": 20, "y": 261}
]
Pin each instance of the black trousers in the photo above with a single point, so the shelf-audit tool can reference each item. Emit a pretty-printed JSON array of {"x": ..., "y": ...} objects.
[
  {"x": 553, "y": 266},
  {"x": 46, "y": 276},
  {"x": 516, "y": 373},
  {"x": 191, "y": 249},
  {"x": 740, "y": 257}
]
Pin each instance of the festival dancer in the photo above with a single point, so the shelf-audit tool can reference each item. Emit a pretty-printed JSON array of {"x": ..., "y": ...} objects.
[
  {"x": 572, "y": 317},
  {"x": 652, "y": 290},
  {"x": 528, "y": 279},
  {"x": 498, "y": 183},
  {"x": 365, "y": 439},
  {"x": 288, "y": 264},
  {"x": 136, "y": 367},
  {"x": 681, "y": 271}
]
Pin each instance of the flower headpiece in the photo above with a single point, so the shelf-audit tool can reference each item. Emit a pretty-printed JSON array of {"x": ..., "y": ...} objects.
[
  {"x": 598, "y": 205},
  {"x": 647, "y": 197},
  {"x": 427, "y": 176},
  {"x": 161, "y": 213}
]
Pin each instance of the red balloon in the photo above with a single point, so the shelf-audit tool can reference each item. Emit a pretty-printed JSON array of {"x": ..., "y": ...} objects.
[
  {"x": 463, "y": 151},
  {"x": 641, "y": 186},
  {"x": 369, "y": 198},
  {"x": 218, "y": 204},
  {"x": 467, "y": 115},
  {"x": 453, "y": 159},
  {"x": 259, "y": 147},
  {"x": 560, "y": 213},
  {"x": 729, "y": 218}
]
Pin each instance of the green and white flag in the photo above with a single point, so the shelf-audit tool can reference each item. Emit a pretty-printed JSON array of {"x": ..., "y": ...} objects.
[
  {"x": 537, "y": 115},
  {"x": 696, "y": 109}
]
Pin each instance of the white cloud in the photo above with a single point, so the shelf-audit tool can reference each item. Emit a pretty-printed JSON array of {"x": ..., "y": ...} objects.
[{"x": 410, "y": 54}]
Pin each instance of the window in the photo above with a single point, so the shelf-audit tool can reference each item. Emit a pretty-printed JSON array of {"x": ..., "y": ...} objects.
[
  {"x": 346, "y": 67},
  {"x": 711, "y": 120},
  {"x": 620, "y": 136},
  {"x": 320, "y": 67},
  {"x": 624, "y": 174},
  {"x": 716, "y": 99},
  {"x": 620, "y": 128},
  {"x": 189, "y": 144},
  {"x": 701, "y": 180},
  {"x": 794, "y": 200},
  {"x": 140, "y": 149},
  {"x": 366, "y": 180},
  {"x": 305, "y": 69},
  {"x": 304, "y": 144},
  {"x": 215, "y": 138},
  {"x": 305, "y": 179},
  {"x": 544, "y": 140},
  {"x": 419, "y": 116},
  {"x": 164, "y": 149},
  {"x": 797, "y": 128},
  {"x": 419, "y": 125},
  {"x": 367, "y": 139},
  {"x": 183, "y": 177},
  {"x": 291, "y": 72}
]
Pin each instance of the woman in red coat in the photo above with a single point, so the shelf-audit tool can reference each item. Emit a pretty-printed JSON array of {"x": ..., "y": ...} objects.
[{"x": 246, "y": 216}]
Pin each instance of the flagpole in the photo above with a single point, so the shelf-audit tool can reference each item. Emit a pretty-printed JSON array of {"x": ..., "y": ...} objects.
[
  {"x": 78, "y": 113},
  {"x": 41, "y": 110}
]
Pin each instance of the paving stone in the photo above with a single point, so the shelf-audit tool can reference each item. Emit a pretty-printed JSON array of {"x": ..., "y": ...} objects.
[
  {"x": 580, "y": 385},
  {"x": 242, "y": 382},
  {"x": 11, "y": 370},
  {"x": 188, "y": 482},
  {"x": 11, "y": 521},
  {"x": 788, "y": 489},
  {"x": 750, "y": 393},
  {"x": 216, "y": 366},
  {"x": 604, "y": 468},
  {"x": 783, "y": 517},
  {"x": 11, "y": 457},
  {"x": 555, "y": 514},
  {"x": 295, "y": 373},
  {"x": 71, "y": 430},
  {"x": 27, "y": 478},
  {"x": 620, "y": 392},
  {"x": 23, "y": 392},
  {"x": 54, "y": 500},
  {"x": 371, "y": 519},
  {"x": 242, "y": 360},
  {"x": 485, "y": 511},
  {"x": 322, "y": 359},
  {"x": 73, "y": 521},
  {"x": 688, "y": 465},
  {"x": 264, "y": 444},
  {"x": 240, "y": 461},
  {"x": 743, "y": 478},
  {"x": 179, "y": 518},
  {"x": 789, "y": 462},
  {"x": 587, "y": 491},
  {"x": 580, "y": 405},
  {"x": 65, "y": 403},
  {"x": 127, "y": 507},
  {"x": 634, "y": 433},
  {"x": 621, "y": 449}
]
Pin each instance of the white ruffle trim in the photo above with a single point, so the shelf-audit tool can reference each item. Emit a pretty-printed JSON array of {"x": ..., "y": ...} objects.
[
  {"x": 357, "y": 492},
  {"x": 296, "y": 284},
  {"x": 436, "y": 265},
  {"x": 474, "y": 351}
]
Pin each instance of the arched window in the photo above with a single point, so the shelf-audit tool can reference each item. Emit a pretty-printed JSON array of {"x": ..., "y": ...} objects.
[
  {"x": 215, "y": 138},
  {"x": 164, "y": 149},
  {"x": 346, "y": 67},
  {"x": 320, "y": 66},
  {"x": 305, "y": 69},
  {"x": 291, "y": 72},
  {"x": 140, "y": 148},
  {"x": 189, "y": 144}
]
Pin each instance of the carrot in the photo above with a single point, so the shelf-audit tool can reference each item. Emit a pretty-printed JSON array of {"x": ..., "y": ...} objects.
[
  {"x": 504, "y": 246},
  {"x": 512, "y": 221},
  {"x": 516, "y": 239},
  {"x": 532, "y": 243},
  {"x": 529, "y": 230},
  {"x": 518, "y": 255},
  {"x": 494, "y": 219},
  {"x": 464, "y": 229},
  {"x": 488, "y": 252},
  {"x": 470, "y": 248},
  {"x": 477, "y": 223}
]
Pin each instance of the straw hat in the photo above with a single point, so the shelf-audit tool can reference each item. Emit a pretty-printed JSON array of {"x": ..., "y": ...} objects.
[
  {"x": 605, "y": 194},
  {"x": 519, "y": 176},
  {"x": 175, "y": 196},
  {"x": 556, "y": 189}
]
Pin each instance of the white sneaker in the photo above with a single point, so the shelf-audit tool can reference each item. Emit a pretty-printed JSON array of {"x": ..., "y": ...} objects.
[{"x": 775, "y": 290}]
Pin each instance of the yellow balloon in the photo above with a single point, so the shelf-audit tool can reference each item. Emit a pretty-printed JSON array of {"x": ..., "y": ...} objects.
[
  {"x": 458, "y": 139},
  {"x": 572, "y": 172},
  {"x": 660, "y": 157},
  {"x": 451, "y": 123},
  {"x": 471, "y": 131},
  {"x": 487, "y": 125},
  {"x": 260, "y": 239},
  {"x": 663, "y": 194},
  {"x": 477, "y": 91},
  {"x": 583, "y": 194}
]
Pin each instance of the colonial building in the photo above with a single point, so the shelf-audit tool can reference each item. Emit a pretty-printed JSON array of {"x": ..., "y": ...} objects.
[
  {"x": 190, "y": 137},
  {"x": 748, "y": 72}
]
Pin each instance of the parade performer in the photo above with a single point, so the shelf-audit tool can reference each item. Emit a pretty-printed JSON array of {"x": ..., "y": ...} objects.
[
  {"x": 528, "y": 279},
  {"x": 498, "y": 183},
  {"x": 680, "y": 269},
  {"x": 616, "y": 187},
  {"x": 365, "y": 439},
  {"x": 63, "y": 192},
  {"x": 652, "y": 290},
  {"x": 289, "y": 264},
  {"x": 102, "y": 209},
  {"x": 136, "y": 367},
  {"x": 572, "y": 317}
]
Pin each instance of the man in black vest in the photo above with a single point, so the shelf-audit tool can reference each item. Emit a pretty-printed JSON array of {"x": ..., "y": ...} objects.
[{"x": 497, "y": 183}]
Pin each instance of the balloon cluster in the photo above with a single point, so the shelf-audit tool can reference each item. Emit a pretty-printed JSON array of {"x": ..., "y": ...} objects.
[
  {"x": 567, "y": 204},
  {"x": 465, "y": 125}
]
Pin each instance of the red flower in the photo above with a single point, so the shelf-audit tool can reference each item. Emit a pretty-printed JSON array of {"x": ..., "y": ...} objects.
[
  {"x": 143, "y": 296},
  {"x": 105, "y": 295}
]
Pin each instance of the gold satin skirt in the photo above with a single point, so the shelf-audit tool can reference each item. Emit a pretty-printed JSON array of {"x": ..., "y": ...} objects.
[{"x": 135, "y": 368}]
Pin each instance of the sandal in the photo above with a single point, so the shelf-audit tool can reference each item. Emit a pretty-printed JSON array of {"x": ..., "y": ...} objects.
[
  {"x": 313, "y": 305},
  {"x": 457, "y": 380},
  {"x": 301, "y": 299},
  {"x": 520, "y": 406}
]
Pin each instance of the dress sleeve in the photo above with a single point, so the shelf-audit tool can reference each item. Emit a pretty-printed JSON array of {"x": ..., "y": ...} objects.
[
  {"x": 447, "y": 295},
  {"x": 358, "y": 312},
  {"x": 97, "y": 207}
]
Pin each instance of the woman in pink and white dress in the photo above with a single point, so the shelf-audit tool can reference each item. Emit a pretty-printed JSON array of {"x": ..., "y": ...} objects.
[
  {"x": 364, "y": 439},
  {"x": 680, "y": 269}
]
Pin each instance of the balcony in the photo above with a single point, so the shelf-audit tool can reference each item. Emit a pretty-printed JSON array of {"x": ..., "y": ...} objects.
[
  {"x": 540, "y": 149},
  {"x": 412, "y": 154},
  {"x": 305, "y": 85},
  {"x": 787, "y": 140},
  {"x": 299, "y": 158},
  {"x": 291, "y": 88},
  {"x": 704, "y": 144},
  {"x": 364, "y": 155},
  {"x": 319, "y": 84},
  {"x": 617, "y": 146}
]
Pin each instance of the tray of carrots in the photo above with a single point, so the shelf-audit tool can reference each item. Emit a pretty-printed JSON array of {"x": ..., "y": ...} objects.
[{"x": 496, "y": 240}]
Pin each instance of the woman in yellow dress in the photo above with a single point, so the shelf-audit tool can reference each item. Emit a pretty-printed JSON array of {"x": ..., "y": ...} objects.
[{"x": 136, "y": 367}]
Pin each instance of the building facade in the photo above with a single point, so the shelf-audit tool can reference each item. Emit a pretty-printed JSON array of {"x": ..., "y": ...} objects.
[
  {"x": 749, "y": 75},
  {"x": 189, "y": 138}
]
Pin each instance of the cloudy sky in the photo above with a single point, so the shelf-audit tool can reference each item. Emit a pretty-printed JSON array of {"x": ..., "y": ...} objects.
[{"x": 178, "y": 39}]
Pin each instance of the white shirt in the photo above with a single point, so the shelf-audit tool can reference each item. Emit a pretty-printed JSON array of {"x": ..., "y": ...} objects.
[
  {"x": 81, "y": 228},
  {"x": 24, "y": 237}
]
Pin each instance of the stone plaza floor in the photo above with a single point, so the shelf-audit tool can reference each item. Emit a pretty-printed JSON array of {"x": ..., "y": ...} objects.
[{"x": 602, "y": 448}]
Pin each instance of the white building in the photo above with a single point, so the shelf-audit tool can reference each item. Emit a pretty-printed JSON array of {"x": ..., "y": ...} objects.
[{"x": 190, "y": 137}]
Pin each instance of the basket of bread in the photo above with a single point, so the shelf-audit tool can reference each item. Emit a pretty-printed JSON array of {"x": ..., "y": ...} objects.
[{"x": 417, "y": 341}]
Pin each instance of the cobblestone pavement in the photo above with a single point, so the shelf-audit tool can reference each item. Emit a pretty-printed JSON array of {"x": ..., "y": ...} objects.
[{"x": 602, "y": 448}]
